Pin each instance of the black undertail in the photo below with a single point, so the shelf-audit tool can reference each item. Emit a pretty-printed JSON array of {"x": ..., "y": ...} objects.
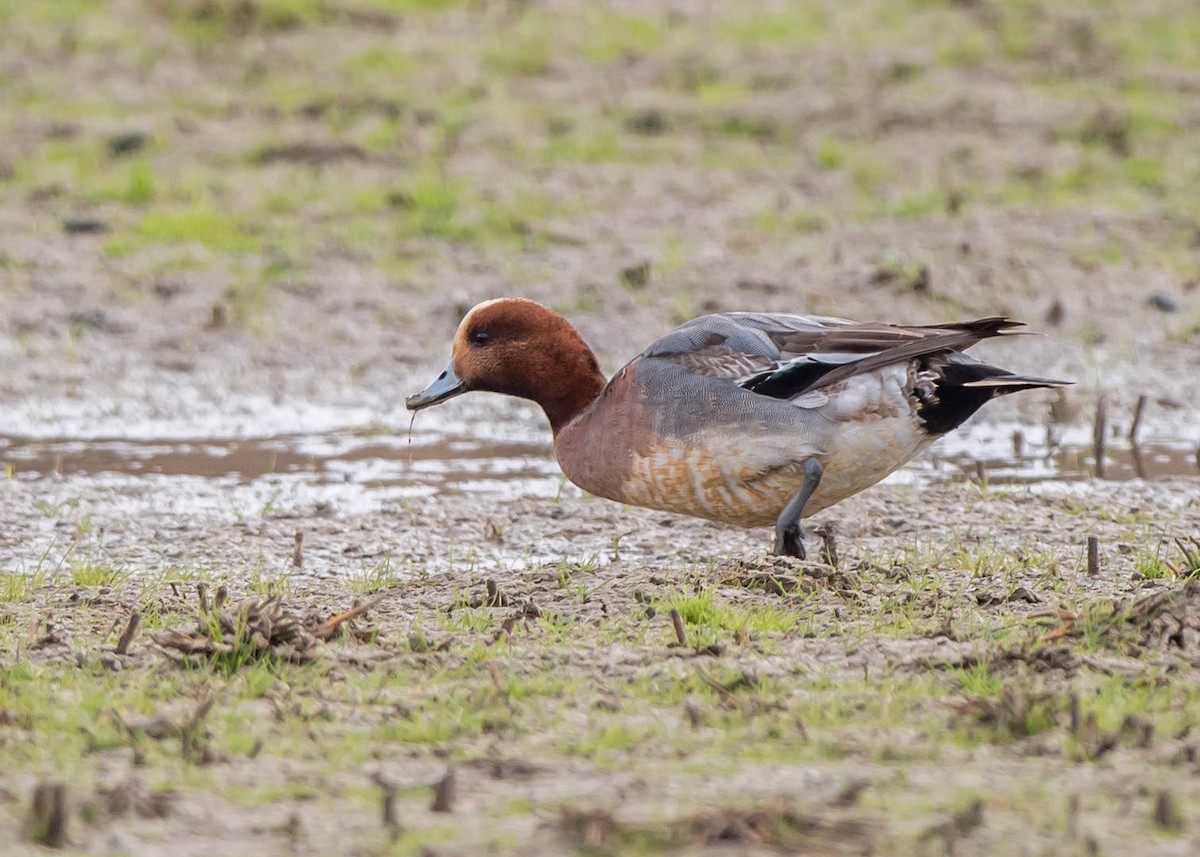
[{"x": 956, "y": 390}]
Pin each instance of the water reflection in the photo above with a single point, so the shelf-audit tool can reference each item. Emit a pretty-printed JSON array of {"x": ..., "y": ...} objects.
[{"x": 441, "y": 461}]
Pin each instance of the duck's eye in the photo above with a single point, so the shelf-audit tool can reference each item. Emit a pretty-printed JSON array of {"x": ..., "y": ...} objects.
[{"x": 479, "y": 337}]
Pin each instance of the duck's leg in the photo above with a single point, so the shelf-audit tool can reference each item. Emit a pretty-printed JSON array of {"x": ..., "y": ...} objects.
[{"x": 789, "y": 538}]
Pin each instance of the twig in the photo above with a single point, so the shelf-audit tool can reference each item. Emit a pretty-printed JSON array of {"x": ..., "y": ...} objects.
[
  {"x": 390, "y": 821},
  {"x": 848, "y": 794},
  {"x": 48, "y": 815},
  {"x": 505, "y": 630},
  {"x": 331, "y": 624},
  {"x": 677, "y": 622},
  {"x": 726, "y": 690},
  {"x": 1167, "y": 816},
  {"x": 189, "y": 731},
  {"x": 1138, "y": 411},
  {"x": 1018, "y": 443},
  {"x": 1093, "y": 555},
  {"x": 1139, "y": 465},
  {"x": 205, "y": 706},
  {"x": 722, "y": 690},
  {"x": 1099, "y": 434},
  {"x": 1190, "y": 548},
  {"x": 298, "y": 549},
  {"x": 445, "y": 794},
  {"x": 1056, "y": 634},
  {"x": 829, "y": 548},
  {"x": 126, "y": 640}
]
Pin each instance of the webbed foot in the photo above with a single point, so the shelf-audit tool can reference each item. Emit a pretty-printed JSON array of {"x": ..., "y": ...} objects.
[{"x": 789, "y": 537}]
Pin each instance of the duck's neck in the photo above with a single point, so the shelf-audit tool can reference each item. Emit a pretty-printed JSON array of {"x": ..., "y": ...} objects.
[{"x": 580, "y": 383}]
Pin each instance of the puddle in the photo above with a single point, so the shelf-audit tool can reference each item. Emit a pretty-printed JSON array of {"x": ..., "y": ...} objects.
[
  {"x": 446, "y": 461},
  {"x": 1006, "y": 456},
  {"x": 427, "y": 464},
  {"x": 164, "y": 499}
]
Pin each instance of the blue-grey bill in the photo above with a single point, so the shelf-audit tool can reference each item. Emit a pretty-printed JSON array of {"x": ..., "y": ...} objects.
[{"x": 445, "y": 386}]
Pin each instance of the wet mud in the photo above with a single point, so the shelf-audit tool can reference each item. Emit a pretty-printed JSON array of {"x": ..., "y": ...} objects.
[{"x": 233, "y": 238}]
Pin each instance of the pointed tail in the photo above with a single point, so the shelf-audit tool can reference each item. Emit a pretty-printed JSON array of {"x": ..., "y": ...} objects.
[
  {"x": 1009, "y": 383},
  {"x": 965, "y": 386}
]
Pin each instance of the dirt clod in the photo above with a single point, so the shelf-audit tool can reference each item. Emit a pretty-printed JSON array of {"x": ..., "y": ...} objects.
[
  {"x": 318, "y": 154},
  {"x": 445, "y": 793},
  {"x": 494, "y": 597},
  {"x": 132, "y": 795},
  {"x": 48, "y": 815},
  {"x": 85, "y": 226},
  {"x": 775, "y": 828},
  {"x": 1168, "y": 816}
]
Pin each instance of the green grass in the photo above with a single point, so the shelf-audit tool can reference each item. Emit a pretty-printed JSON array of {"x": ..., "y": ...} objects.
[
  {"x": 18, "y": 587},
  {"x": 526, "y": 48},
  {"x": 487, "y": 140},
  {"x": 796, "y": 24},
  {"x": 265, "y": 583},
  {"x": 376, "y": 576},
  {"x": 607, "y": 36},
  {"x": 710, "y": 616},
  {"x": 201, "y": 224},
  {"x": 411, "y": 102},
  {"x": 1168, "y": 559},
  {"x": 96, "y": 573},
  {"x": 608, "y": 693},
  {"x": 208, "y": 24}
]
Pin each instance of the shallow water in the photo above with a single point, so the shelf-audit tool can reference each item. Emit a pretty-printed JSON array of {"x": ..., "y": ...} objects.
[
  {"x": 1024, "y": 455},
  {"x": 378, "y": 460},
  {"x": 447, "y": 457},
  {"x": 153, "y": 497}
]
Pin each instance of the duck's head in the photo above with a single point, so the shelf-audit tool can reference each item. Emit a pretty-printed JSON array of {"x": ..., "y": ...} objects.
[{"x": 519, "y": 348}]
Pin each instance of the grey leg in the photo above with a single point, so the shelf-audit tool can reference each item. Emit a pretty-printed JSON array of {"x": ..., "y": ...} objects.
[{"x": 789, "y": 538}]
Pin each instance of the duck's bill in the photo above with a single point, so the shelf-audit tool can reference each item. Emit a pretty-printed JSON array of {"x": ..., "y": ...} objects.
[{"x": 445, "y": 386}]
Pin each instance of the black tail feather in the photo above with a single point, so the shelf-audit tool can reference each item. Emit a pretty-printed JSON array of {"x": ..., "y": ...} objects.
[{"x": 962, "y": 388}]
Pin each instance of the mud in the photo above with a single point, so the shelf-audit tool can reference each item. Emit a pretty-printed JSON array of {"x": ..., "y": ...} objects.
[
  {"x": 230, "y": 246},
  {"x": 436, "y": 459}
]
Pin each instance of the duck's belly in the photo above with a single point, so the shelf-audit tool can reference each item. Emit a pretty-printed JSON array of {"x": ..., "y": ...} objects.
[
  {"x": 747, "y": 480},
  {"x": 862, "y": 454}
]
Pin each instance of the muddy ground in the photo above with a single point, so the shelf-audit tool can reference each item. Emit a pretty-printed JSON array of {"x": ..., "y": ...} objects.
[{"x": 233, "y": 236}]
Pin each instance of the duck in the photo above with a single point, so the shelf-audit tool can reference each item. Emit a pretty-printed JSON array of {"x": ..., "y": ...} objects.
[{"x": 746, "y": 418}]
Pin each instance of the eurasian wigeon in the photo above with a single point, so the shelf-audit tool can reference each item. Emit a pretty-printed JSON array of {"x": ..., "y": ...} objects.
[{"x": 747, "y": 418}]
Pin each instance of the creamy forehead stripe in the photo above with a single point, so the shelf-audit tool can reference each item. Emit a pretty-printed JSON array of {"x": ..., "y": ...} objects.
[{"x": 486, "y": 304}]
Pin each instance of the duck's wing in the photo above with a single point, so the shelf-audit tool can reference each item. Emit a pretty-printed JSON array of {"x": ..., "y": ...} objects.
[{"x": 783, "y": 356}]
